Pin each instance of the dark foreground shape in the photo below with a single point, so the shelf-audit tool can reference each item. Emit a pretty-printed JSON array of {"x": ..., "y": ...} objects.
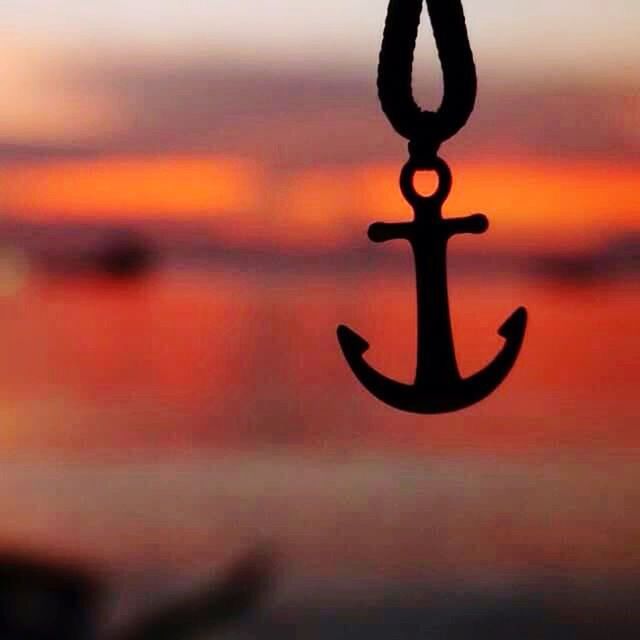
[
  {"x": 41, "y": 601},
  {"x": 45, "y": 601},
  {"x": 221, "y": 603}
]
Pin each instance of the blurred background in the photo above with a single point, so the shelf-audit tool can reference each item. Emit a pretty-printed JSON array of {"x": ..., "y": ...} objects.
[{"x": 185, "y": 189}]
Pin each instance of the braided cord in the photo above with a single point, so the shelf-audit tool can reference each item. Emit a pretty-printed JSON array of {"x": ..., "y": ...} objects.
[{"x": 426, "y": 130}]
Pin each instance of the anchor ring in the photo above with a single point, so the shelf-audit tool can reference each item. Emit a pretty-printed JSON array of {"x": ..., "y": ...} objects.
[{"x": 408, "y": 174}]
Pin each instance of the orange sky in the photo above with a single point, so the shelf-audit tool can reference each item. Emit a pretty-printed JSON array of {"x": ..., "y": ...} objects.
[
  {"x": 576, "y": 200},
  {"x": 111, "y": 116}
]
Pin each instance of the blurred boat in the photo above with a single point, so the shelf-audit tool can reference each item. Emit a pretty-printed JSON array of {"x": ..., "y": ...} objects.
[
  {"x": 119, "y": 254},
  {"x": 619, "y": 257}
]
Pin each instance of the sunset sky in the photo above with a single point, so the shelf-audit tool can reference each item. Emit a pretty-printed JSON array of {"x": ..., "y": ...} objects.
[
  {"x": 244, "y": 141},
  {"x": 240, "y": 113}
]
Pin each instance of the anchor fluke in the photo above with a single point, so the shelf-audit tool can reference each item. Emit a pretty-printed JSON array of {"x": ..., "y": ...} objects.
[
  {"x": 433, "y": 396},
  {"x": 514, "y": 326},
  {"x": 351, "y": 342},
  {"x": 485, "y": 382}
]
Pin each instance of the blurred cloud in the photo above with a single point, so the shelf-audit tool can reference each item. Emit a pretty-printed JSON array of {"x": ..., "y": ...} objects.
[
  {"x": 40, "y": 106},
  {"x": 296, "y": 118},
  {"x": 129, "y": 186},
  {"x": 544, "y": 203},
  {"x": 217, "y": 130},
  {"x": 311, "y": 152}
]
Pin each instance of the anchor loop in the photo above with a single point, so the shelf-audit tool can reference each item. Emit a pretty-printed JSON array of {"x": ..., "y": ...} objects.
[{"x": 426, "y": 130}]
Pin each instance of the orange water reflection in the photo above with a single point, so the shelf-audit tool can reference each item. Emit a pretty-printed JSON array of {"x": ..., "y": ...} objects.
[{"x": 181, "y": 363}]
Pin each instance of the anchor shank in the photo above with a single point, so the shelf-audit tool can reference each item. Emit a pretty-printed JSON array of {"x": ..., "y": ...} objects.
[{"x": 436, "y": 361}]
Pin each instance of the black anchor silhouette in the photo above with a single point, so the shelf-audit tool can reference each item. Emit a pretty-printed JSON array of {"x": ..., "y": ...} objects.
[{"x": 438, "y": 386}]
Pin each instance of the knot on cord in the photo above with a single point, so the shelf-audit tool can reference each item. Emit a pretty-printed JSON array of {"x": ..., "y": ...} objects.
[{"x": 425, "y": 142}]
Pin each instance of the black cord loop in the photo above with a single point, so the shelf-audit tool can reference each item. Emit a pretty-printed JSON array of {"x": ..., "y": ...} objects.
[{"x": 426, "y": 130}]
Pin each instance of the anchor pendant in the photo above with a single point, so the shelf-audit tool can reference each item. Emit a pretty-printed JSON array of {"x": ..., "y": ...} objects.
[{"x": 438, "y": 386}]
